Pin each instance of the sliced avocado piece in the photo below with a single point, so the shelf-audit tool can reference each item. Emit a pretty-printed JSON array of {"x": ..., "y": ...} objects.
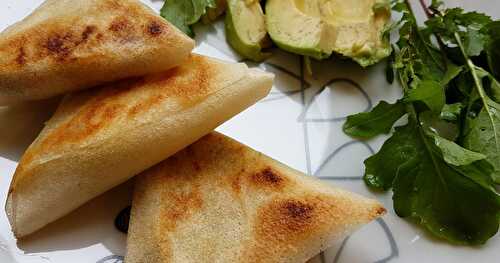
[
  {"x": 316, "y": 28},
  {"x": 246, "y": 29},
  {"x": 214, "y": 12}
]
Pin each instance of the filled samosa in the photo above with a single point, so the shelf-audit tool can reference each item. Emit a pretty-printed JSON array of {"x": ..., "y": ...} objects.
[
  {"x": 220, "y": 201},
  {"x": 67, "y": 45},
  {"x": 101, "y": 137}
]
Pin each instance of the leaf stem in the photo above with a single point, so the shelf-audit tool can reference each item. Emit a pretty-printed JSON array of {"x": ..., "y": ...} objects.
[
  {"x": 426, "y": 10},
  {"x": 441, "y": 64},
  {"x": 430, "y": 13},
  {"x": 410, "y": 108},
  {"x": 479, "y": 87}
]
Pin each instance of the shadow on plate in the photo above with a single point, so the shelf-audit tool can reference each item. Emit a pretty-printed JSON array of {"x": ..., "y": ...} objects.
[
  {"x": 91, "y": 224},
  {"x": 20, "y": 125}
]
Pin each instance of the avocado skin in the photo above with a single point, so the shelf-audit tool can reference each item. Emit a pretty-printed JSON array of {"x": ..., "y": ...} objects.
[
  {"x": 246, "y": 50},
  {"x": 249, "y": 51},
  {"x": 315, "y": 53}
]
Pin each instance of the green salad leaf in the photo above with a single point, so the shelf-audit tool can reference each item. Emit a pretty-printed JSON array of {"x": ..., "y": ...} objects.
[
  {"x": 429, "y": 92},
  {"x": 451, "y": 73},
  {"x": 443, "y": 164},
  {"x": 184, "y": 13},
  {"x": 467, "y": 25},
  {"x": 492, "y": 43},
  {"x": 456, "y": 203},
  {"x": 383, "y": 167},
  {"x": 484, "y": 135},
  {"x": 451, "y": 112},
  {"x": 454, "y": 154},
  {"x": 482, "y": 132},
  {"x": 378, "y": 121}
]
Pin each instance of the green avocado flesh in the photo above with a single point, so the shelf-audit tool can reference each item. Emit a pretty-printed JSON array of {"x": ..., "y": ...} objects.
[
  {"x": 246, "y": 28},
  {"x": 316, "y": 28}
]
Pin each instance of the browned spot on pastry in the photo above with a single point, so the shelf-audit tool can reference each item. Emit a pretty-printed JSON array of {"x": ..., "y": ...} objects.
[
  {"x": 89, "y": 30},
  {"x": 379, "y": 211},
  {"x": 99, "y": 112},
  {"x": 59, "y": 45},
  {"x": 48, "y": 41},
  {"x": 180, "y": 207},
  {"x": 197, "y": 166},
  {"x": 268, "y": 177},
  {"x": 14, "y": 48},
  {"x": 145, "y": 104},
  {"x": 119, "y": 24},
  {"x": 297, "y": 210},
  {"x": 187, "y": 81},
  {"x": 55, "y": 45},
  {"x": 295, "y": 215},
  {"x": 293, "y": 218},
  {"x": 283, "y": 224},
  {"x": 155, "y": 28},
  {"x": 92, "y": 121},
  {"x": 187, "y": 84},
  {"x": 21, "y": 57},
  {"x": 123, "y": 29},
  {"x": 288, "y": 222},
  {"x": 236, "y": 183}
]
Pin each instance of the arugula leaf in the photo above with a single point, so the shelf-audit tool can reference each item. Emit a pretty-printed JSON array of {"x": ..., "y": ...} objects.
[
  {"x": 431, "y": 122},
  {"x": 466, "y": 25},
  {"x": 200, "y": 8},
  {"x": 474, "y": 42},
  {"x": 178, "y": 13},
  {"x": 494, "y": 88},
  {"x": 184, "y": 13},
  {"x": 452, "y": 71},
  {"x": 430, "y": 92},
  {"x": 455, "y": 154},
  {"x": 460, "y": 28},
  {"x": 384, "y": 166},
  {"x": 487, "y": 124},
  {"x": 440, "y": 169},
  {"x": 378, "y": 121},
  {"x": 418, "y": 58},
  {"x": 492, "y": 43},
  {"x": 483, "y": 136},
  {"x": 451, "y": 112},
  {"x": 436, "y": 4},
  {"x": 456, "y": 203}
]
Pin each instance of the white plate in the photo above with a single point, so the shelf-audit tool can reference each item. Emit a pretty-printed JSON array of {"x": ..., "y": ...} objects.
[{"x": 300, "y": 127}]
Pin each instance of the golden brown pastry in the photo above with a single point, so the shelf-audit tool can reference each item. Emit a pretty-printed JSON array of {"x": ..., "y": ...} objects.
[
  {"x": 68, "y": 45},
  {"x": 101, "y": 137},
  {"x": 220, "y": 201}
]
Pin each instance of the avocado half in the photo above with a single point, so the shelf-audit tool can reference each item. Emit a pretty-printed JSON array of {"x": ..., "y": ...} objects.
[
  {"x": 246, "y": 28},
  {"x": 317, "y": 28}
]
